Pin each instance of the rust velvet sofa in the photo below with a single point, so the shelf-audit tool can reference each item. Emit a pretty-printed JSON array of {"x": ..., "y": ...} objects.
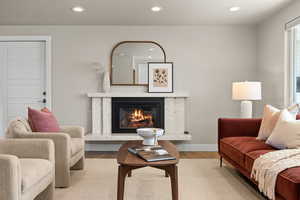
[{"x": 237, "y": 144}]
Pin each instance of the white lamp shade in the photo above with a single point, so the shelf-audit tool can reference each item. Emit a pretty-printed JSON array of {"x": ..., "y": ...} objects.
[{"x": 246, "y": 91}]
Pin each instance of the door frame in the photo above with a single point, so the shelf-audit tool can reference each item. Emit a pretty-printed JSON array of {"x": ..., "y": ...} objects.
[{"x": 48, "y": 63}]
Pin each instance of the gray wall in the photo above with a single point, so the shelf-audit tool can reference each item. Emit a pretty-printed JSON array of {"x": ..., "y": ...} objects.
[
  {"x": 207, "y": 59},
  {"x": 270, "y": 54}
]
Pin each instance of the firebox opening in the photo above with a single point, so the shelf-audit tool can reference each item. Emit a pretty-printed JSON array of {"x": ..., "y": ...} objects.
[{"x": 128, "y": 114}]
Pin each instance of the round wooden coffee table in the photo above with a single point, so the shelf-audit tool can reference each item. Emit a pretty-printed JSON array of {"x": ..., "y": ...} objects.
[{"x": 128, "y": 162}]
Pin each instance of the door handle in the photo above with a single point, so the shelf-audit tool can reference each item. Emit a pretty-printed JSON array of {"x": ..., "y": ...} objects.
[{"x": 42, "y": 101}]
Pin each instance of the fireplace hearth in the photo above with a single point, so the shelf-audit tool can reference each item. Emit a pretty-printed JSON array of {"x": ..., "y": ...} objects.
[{"x": 130, "y": 113}]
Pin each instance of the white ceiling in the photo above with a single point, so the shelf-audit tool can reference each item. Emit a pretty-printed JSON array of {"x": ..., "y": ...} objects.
[{"x": 136, "y": 12}]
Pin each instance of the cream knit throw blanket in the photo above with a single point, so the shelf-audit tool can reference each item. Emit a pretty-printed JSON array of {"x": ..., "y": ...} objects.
[
  {"x": 267, "y": 167},
  {"x": 11, "y": 126}
]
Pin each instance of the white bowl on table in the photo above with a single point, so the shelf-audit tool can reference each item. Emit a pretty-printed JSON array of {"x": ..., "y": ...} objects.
[{"x": 150, "y": 135}]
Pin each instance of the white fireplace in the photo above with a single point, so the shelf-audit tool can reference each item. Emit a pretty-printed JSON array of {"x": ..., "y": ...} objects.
[{"x": 174, "y": 116}]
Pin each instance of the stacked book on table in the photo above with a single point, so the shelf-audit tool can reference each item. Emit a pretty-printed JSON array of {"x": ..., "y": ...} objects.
[{"x": 151, "y": 153}]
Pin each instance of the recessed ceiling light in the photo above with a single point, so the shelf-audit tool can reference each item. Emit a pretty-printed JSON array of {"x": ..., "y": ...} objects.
[
  {"x": 234, "y": 9},
  {"x": 156, "y": 8},
  {"x": 151, "y": 49},
  {"x": 78, "y": 9}
]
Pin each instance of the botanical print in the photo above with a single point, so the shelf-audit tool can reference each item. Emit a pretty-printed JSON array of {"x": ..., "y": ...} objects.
[{"x": 160, "y": 77}]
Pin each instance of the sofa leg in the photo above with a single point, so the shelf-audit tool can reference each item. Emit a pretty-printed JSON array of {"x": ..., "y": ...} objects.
[
  {"x": 79, "y": 165},
  {"x": 221, "y": 161}
]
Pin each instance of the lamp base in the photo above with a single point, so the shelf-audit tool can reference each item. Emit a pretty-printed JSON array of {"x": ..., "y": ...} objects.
[{"x": 246, "y": 109}]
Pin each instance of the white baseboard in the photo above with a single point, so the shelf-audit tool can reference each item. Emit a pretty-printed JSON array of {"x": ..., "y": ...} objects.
[
  {"x": 181, "y": 147},
  {"x": 197, "y": 147},
  {"x": 102, "y": 147}
]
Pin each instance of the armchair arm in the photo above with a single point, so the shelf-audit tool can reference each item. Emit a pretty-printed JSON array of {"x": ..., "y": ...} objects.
[
  {"x": 34, "y": 148},
  {"x": 10, "y": 181},
  {"x": 62, "y": 143},
  {"x": 73, "y": 131}
]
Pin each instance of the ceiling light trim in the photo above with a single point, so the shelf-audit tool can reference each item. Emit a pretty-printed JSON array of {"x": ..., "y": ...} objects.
[
  {"x": 78, "y": 9},
  {"x": 156, "y": 9},
  {"x": 234, "y": 9}
]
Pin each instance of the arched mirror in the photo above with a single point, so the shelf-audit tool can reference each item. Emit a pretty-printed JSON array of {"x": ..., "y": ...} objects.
[{"x": 129, "y": 61}]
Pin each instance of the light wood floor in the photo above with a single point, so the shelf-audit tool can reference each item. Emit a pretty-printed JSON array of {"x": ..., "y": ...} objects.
[{"x": 191, "y": 155}]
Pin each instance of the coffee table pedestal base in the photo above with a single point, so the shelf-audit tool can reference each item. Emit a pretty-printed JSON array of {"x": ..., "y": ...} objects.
[{"x": 170, "y": 171}]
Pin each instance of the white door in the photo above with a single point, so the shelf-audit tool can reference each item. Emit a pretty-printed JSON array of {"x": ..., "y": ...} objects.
[{"x": 23, "y": 85}]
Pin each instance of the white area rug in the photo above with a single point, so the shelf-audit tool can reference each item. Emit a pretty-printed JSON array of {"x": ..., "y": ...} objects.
[{"x": 198, "y": 179}]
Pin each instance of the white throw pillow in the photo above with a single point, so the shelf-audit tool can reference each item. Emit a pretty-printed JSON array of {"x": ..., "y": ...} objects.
[
  {"x": 286, "y": 133},
  {"x": 270, "y": 117}
]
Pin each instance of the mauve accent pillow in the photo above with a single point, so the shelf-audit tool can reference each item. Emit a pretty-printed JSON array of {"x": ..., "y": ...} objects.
[{"x": 42, "y": 121}]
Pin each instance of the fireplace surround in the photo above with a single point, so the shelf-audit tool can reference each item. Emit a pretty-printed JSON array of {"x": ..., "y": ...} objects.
[
  {"x": 174, "y": 116},
  {"x": 130, "y": 113}
]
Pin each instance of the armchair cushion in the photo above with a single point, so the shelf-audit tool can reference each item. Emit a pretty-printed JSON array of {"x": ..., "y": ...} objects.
[
  {"x": 77, "y": 145},
  {"x": 33, "y": 171},
  {"x": 73, "y": 131},
  {"x": 41, "y": 121}
]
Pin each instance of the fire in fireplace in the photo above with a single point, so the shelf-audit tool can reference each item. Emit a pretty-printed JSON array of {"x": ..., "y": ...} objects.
[
  {"x": 128, "y": 114},
  {"x": 137, "y": 118}
]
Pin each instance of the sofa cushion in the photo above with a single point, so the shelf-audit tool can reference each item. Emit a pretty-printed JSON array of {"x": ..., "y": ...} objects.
[
  {"x": 237, "y": 147},
  {"x": 33, "y": 171},
  {"x": 288, "y": 181},
  {"x": 77, "y": 144},
  {"x": 251, "y": 156}
]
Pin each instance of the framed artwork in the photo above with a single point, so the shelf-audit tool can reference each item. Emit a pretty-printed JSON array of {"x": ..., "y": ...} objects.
[{"x": 160, "y": 77}]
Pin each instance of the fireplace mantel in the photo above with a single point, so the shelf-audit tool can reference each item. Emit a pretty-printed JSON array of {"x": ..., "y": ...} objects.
[
  {"x": 175, "y": 128},
  {"x": 120, "y": 94}
]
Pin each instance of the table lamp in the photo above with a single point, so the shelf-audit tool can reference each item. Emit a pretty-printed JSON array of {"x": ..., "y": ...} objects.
[{"x": 246, "y": 92}]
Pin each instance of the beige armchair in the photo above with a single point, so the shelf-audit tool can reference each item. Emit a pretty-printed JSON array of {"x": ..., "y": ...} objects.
[
  {"x": 26, "y": 169},
  {"x": 69, "y": 147}
]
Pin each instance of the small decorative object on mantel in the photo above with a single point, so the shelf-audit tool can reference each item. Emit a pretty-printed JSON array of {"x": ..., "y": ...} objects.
[
  {"x": 104, "y": 76},
  {"x": 160, "y": 77},
  {"x": 150, "y": 135}
]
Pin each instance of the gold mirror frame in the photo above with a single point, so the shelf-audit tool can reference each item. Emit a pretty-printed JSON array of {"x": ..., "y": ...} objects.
[{"x": 111, "y": 61}]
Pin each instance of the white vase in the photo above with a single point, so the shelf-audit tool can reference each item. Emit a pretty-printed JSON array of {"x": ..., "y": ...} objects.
[{"x": 106, "y": 82}]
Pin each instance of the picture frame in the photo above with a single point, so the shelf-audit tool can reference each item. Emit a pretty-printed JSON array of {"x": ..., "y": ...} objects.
[{"x": 160, "y": 77}]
